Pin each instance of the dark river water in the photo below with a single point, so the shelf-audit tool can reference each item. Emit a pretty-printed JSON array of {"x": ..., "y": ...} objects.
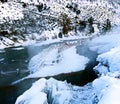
[{"x": 14, "y": 66}]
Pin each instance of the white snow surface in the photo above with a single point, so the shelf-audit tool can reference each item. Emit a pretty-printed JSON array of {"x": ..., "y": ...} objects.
[
  {"x": 53, "y": 61},
  {"x": 58, "y": 92},
  {"x": 104, "y": 90},
  {"x": 10, "y": 11},
  {"x": 99, "y": 10},
  {"x": 109, "y": 61},
  {"x": 107, "y": 90},
  {"x": 35, "y": 95}
]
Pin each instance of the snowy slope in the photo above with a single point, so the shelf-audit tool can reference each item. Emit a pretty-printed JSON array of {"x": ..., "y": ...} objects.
[{"x": 23, "y": 18}]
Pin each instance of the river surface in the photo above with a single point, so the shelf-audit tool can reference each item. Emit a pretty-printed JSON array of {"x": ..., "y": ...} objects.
[{"x": 14, "y": 66}]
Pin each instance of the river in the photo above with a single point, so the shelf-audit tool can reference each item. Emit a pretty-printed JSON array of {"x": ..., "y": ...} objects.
[{"x": 14, "y": 66}]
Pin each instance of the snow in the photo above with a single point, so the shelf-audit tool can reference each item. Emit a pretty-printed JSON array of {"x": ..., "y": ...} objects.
[
  {"x": 58, "y": 92},
  {"x": 17, "y": 48},
  {"x": 107, "y": 90},
  {"x": 9, "y": 12},
  {"x": 100, "y": 11},
  {"x": 109, "y": 61},
  {"x": 53, "y": 61},
  {"x": 64, "y": 59},
  {"x": 104, "y": 90},
  {"x": 35, "y": 95}
]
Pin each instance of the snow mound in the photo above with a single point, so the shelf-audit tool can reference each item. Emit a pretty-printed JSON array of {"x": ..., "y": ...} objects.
[
  {"x": 109, "y": 61},
  {"x": 107, "y": 90},
  {"x": 53, "y": 61}
]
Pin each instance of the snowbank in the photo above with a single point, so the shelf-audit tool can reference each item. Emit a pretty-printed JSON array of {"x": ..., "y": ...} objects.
[
  {"x": 53, "y": 61},
  {"x": 107, "y": 90},
  {"x": 109, "y": 61},
  {"x": 49, "y": 20}
]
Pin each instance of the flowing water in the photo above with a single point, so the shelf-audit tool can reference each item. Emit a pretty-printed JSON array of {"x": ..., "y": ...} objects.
[{"x": 14, "y": 66}]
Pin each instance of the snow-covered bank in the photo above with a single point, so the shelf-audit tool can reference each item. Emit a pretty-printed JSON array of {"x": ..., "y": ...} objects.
[
  {"x": 32, "y": 24},
  {"x": 109, "y": 61},
  {"x": 56, "y": 60},
  {"x": 107, "y": 90},
  {"x": 9, "y": 13},
  {"x": 108, "y": 48}
]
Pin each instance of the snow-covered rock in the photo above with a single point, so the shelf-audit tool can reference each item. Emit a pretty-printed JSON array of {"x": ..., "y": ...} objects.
[{"x": 56, "y": 60}]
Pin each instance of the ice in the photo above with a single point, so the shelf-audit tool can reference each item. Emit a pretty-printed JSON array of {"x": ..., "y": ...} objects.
[
  {"x": 107, "y": 90},
  {"x": 58, "y": 92},
  {"x": 35, "y": 95},
  {"x": 109, "y": 61},
  {"x": 56, "y": 61},
  {"x": 104, "y": 90}
]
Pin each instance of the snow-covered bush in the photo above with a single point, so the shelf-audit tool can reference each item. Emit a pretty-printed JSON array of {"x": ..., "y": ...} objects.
[{"x": 24, "y": 17}]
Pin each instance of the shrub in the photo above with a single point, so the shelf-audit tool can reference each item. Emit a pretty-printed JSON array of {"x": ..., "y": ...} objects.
[{"x": 65, "y": 22}]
